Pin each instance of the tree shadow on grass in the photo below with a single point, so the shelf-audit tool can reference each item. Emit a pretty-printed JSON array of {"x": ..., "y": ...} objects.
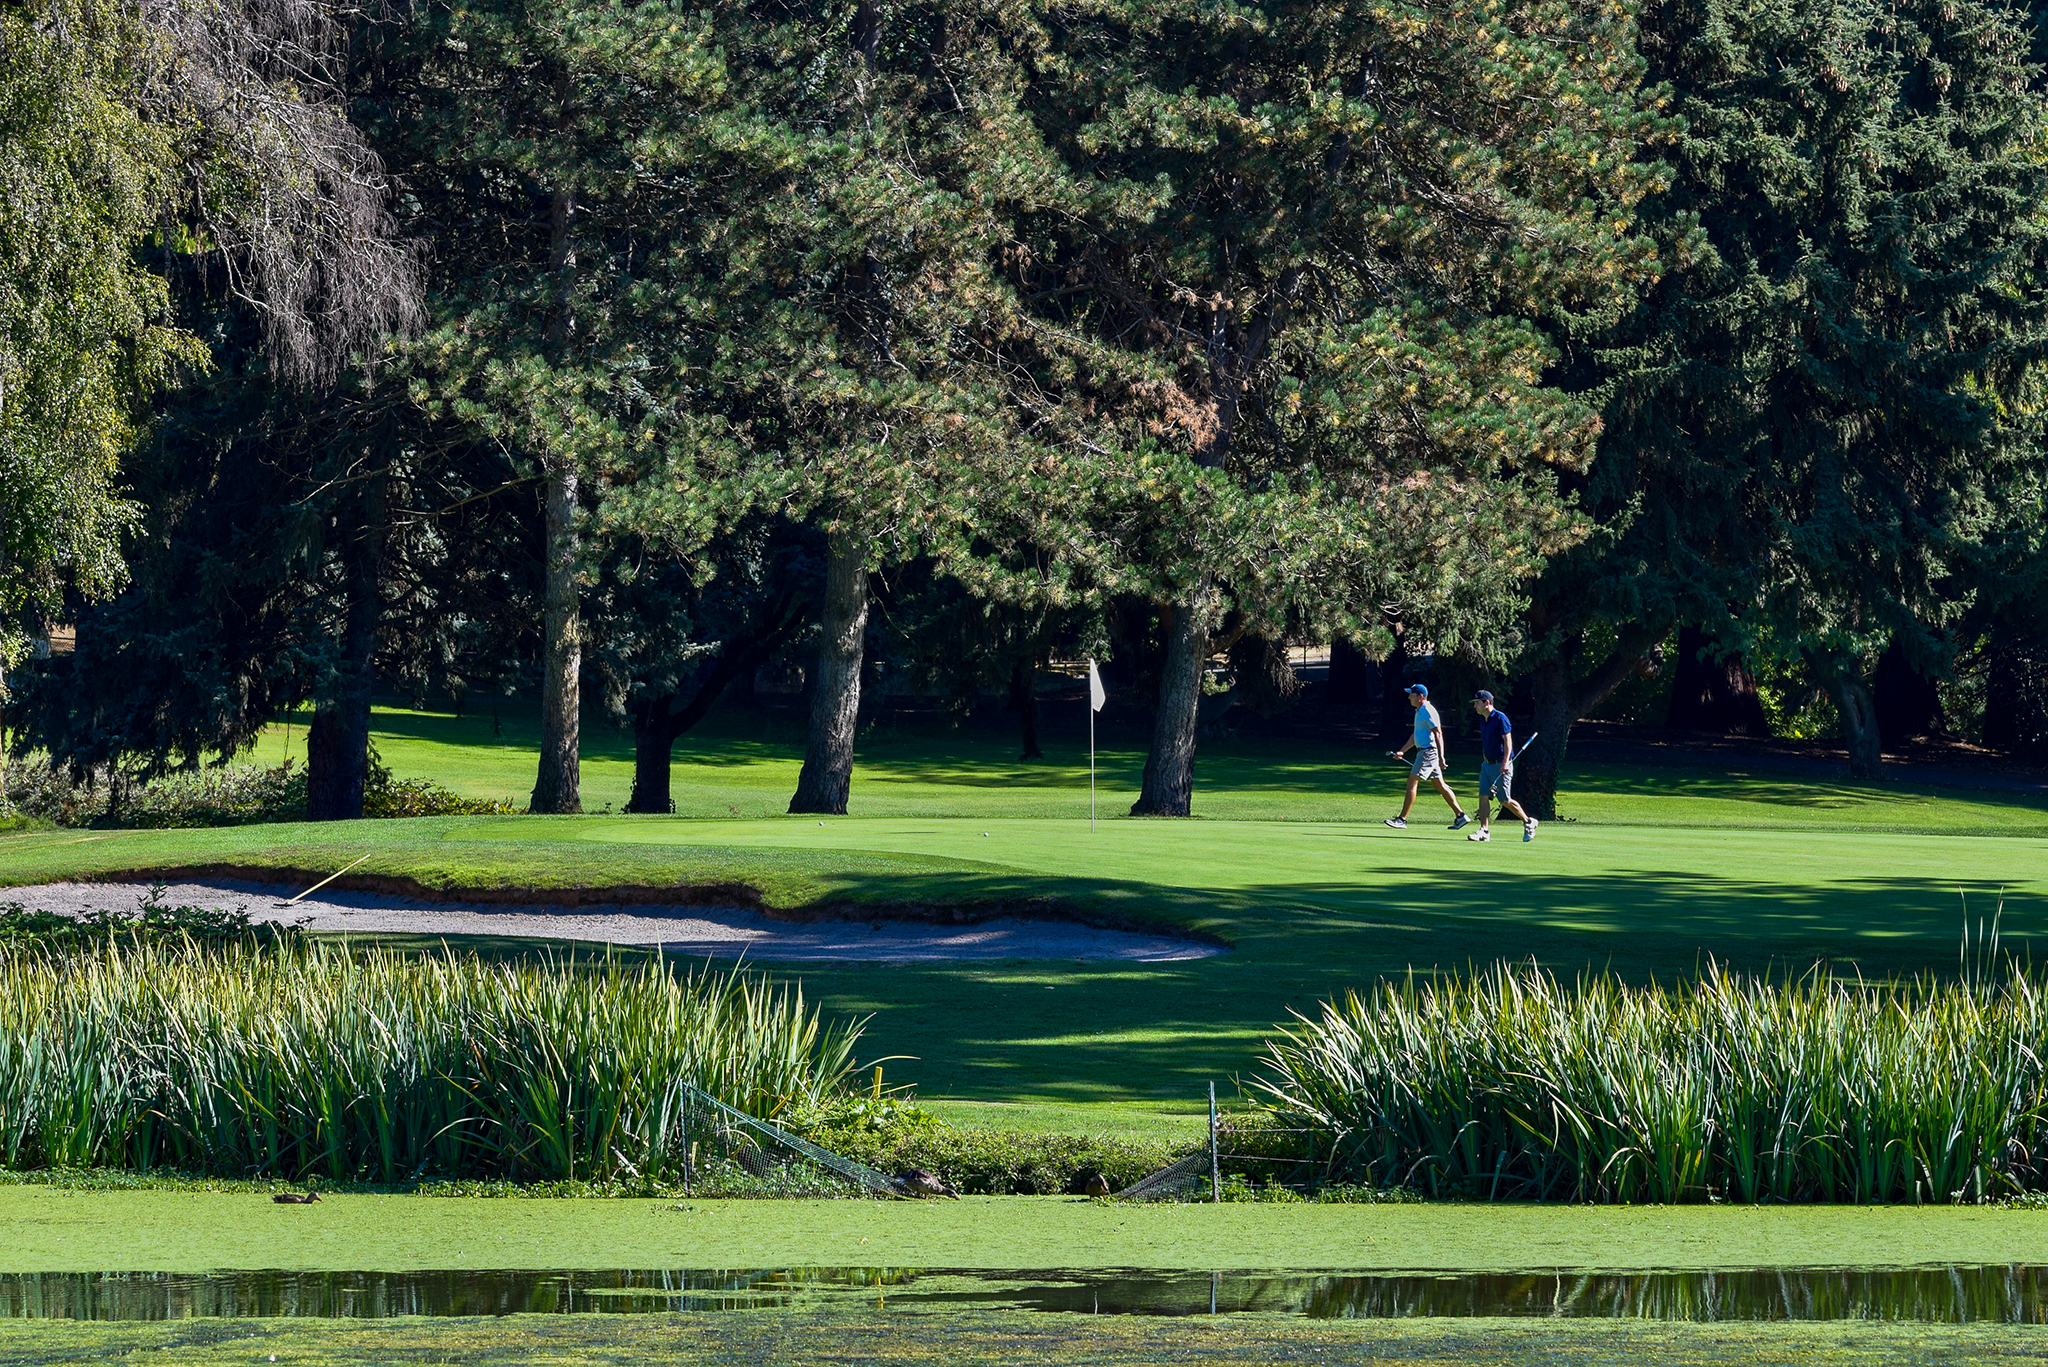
[
  {"x": 1161, "y": 1031},
  {"x": 1097, "y": 1031}
]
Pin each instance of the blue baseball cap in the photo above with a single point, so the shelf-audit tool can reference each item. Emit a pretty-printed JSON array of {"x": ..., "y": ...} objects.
[
  {"x": 1423, "y": 689},
  {"x": 1482, "y": 696}
]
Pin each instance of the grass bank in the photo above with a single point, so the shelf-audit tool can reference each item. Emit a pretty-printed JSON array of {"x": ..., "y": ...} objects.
[{"x": 771, "y": 1338}]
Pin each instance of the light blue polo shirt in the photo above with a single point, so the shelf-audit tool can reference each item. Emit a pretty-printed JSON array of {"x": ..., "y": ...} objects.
[{"x": 1426, "y": 721}]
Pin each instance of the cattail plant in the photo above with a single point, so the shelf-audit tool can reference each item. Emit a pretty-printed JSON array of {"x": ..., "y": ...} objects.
[
  {"x": 1512, "y": 1085},
  {"x": 347, "y": 1063}
]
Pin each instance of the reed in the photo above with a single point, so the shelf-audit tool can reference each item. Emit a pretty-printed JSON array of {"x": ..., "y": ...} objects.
[
  {"x": 1509, "y": 1084},
  {"x": 334, "y": 1062}
]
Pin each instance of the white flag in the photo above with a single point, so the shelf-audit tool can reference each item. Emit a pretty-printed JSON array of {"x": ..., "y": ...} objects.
[{"x": 1096, "y": 697}]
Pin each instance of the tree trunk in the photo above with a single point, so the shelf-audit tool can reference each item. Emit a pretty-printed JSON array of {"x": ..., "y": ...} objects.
[
  {"x": 827, "y": 777},
  {"x": 1905, "y": 701},
  {"x": 338, "y": 741},
  {"x": 1351, "y": 675},
  {"x": 1711, "y": 691},
  {"x": 557, "y": 787},
  {"x": 658, "y": 721},
  {"x": 1859, "y": 726},
  {"x": 654, "y": 740},
  {"x": 1555, "y": 706},
  {"x": 1024, "y": 702},
  {"x": 1550, "y": 722},
  {"x": 1169, "y": 785}
]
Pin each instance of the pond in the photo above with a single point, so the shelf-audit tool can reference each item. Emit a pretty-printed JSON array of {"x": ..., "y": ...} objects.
[{"x": 2011, "y": 1294}]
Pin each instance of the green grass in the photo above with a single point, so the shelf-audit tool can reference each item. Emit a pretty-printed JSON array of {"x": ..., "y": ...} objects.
[
  {"x": 954, "y": 1338},
  {"x": 741, "y": 764},
  {"x": 1311, "y": 908},
  {"x": 1662, "y": 868},
  {"x": 58, "y": 1230}
]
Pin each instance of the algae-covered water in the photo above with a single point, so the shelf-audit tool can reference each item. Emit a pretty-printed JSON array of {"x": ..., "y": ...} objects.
[
  {"x": 228, "y": 1277},
  {"x": 52, "y": 1229},
  {"x": 1936, "y": 1295},
  {"x": 985, "y": 1338}
]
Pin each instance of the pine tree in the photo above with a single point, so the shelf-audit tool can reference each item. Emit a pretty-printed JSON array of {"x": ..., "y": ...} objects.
[
  {"x": 1289, "y": 314},
  {"x": 876, "y": 170},
  {"x": 563, "y": 153},
  {"x": 1802, "y": 415}
]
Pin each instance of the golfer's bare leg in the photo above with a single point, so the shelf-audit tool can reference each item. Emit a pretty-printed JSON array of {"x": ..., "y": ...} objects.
[
  {"x": 1449, "y": 796},
  {"x": 1483, "y": 812},
  {"x": 1507, "y": 804},
  {"x": 1413, "y": 784}
]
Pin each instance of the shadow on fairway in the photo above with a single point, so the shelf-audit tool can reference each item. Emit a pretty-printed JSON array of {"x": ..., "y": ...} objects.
[{"x": 1079, "y": 1032}]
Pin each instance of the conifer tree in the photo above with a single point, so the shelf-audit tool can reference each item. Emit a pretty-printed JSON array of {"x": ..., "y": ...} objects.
[
  {"x": 1804, "y": 415},
  {"x": 859, "y": 314},
  {"x": 563, "y": 152},
  {"x": 1291, "y": 308}
]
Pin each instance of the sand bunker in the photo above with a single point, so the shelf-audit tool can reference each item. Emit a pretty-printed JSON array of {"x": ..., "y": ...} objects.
[{"x": 728, "y": 932}]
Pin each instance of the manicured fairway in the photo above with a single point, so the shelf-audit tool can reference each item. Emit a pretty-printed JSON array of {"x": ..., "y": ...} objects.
[
  {"x": 1310, "y": 908},
  {"x": 1661, "y": 869},
  {"x": 742, "y": 764},
  {"x": 56, "y": 1231},
  {"x": 771, "y": 1338}
]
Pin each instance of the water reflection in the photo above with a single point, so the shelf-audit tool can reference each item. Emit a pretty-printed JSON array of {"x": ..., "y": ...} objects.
[{"x": 1949, "y": 1295}]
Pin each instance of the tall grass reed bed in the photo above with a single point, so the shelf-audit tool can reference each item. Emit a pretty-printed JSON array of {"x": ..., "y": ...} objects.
[
  {"x": 338, "y": 1063},
  {"x": 1511, "y": 1085}
]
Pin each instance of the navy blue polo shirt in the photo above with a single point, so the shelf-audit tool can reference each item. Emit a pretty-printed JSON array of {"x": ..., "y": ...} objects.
[{"x": 1494, "y": 737}]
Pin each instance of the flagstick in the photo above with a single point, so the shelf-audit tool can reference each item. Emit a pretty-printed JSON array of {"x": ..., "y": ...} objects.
[{"x": 1091, "y": 766}]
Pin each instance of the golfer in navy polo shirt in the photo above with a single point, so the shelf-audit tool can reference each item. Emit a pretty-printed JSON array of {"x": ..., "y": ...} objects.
[{"x": 1497, "y": 767}]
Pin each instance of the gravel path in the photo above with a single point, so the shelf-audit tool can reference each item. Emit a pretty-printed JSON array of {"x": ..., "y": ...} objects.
[{"x": 727, "y": 932}]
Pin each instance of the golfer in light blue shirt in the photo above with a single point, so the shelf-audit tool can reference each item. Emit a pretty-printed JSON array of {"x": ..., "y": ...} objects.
[{"x": 1428, "y": 744}]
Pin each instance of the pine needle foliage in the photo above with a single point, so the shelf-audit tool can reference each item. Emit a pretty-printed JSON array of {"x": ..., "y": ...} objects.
[
  {"x": 329, "y": 1062},
  {"x": 1511, "y": 1085}
]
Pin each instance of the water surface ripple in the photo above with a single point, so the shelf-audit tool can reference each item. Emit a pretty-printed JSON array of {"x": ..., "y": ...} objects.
[{"x": 1948, "y": 1295}]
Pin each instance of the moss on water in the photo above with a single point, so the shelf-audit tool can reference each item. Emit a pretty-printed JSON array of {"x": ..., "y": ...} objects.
[
  {"x": 57, "y": 1230},
  {"x": 971, "y": 1339}
]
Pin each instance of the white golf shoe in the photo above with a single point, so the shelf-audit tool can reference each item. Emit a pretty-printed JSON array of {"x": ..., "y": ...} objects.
[
  {"x": 1480, "y": 835},
  {"x": 1529, "y": 829}
]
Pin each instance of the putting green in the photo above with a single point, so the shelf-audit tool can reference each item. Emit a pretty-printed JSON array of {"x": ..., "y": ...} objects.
[
  {"x": 742, "y": 764},
  {"x": 52, "y": 1230}
]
